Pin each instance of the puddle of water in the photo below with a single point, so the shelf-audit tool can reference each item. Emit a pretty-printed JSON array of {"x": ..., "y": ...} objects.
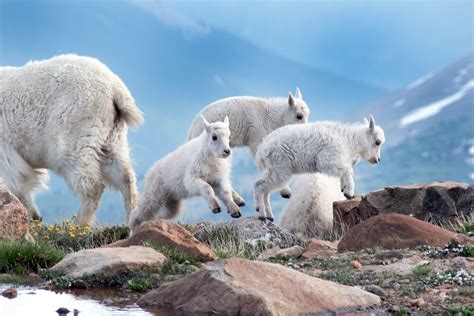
[{"x": 95, "y": 302}]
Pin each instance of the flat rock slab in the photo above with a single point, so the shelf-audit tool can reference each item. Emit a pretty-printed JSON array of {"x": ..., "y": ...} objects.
[
  {"x": 396, "y": 231},
  {"x": 107, "y": 262},
  {"x": 319, "y": 248},
  {"x": 402, "y": 267},
  {"x": 244, "y": 287},
  {"x": 13, "y": 216},
  {"x": 170, "y": 235},
  {"x": 277, "y": 252}
]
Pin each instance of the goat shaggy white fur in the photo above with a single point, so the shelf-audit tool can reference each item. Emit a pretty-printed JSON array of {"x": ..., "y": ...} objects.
[
  {"x": 200, "y": 167},
  {"x": 252, "y": 118},
  {"x": 68, "y": 114},
  {"x": 309, "y": 212},
  {"x": 327, "y": 147}
]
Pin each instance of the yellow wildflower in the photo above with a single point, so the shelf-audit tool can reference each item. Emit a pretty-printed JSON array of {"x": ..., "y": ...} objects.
[{"x": 72, "y": 235}]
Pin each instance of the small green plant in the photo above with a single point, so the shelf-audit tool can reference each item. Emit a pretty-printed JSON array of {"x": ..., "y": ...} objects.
[
  {"x": 452, "y": 276},
  {"x": 22, "y": 257},
  {"x": 461, "y": 311},
  {"x": 421, "y": 270},
  {"x": 62, "y": 282},
  {"x": 402, "y": 311},
  {"x": 371, "y": 251},
  {"x": 140, "y": 284}
]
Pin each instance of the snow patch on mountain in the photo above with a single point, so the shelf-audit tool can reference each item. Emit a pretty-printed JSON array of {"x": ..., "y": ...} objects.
[
  {"x": 429, "y": 110},
  {"x": 420, "y": 81}
]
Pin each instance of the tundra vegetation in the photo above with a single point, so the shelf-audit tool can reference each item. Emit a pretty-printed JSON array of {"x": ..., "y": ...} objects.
[{"x": 20, "y": 261}]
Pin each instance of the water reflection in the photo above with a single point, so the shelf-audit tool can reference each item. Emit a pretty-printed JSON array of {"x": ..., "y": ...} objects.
[{"x": 94, "y": 302}]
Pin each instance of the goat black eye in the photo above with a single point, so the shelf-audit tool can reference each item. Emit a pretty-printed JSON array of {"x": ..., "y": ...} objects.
[
  {"x": 214, "y": 137},
  {"x": 378, "y": 142},
  {"x": 299, "y": 117}
]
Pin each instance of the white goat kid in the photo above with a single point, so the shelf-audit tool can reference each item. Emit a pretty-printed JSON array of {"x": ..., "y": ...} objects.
[
  {"x": 200, "y": 167},
  {"x": 251, "y": 119},
  {"x": 68, "y": 114},
  {"x": 309, "y": 212},
  {"x": 327, "y": 147}
]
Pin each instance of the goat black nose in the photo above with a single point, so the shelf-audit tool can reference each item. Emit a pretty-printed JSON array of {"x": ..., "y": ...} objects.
[
  {"x": 378, "y": 159},
  {"x": 227, "y": 151}
]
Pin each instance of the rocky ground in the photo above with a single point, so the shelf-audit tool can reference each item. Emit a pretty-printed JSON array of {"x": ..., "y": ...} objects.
[{"x": 387, "y": 262}]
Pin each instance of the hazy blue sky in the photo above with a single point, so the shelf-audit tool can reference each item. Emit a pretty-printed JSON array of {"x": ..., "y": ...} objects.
[{"x": 385, "y": 43}]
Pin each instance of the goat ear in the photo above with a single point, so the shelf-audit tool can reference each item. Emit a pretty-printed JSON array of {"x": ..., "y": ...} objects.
[
  {"x": 226, "y": 120},
  {"x": 291, "y": 100},
  {"x": 206, "y": 124},
  {"x": 298, "y": 94},
  {"x": 371, "y": 123}
]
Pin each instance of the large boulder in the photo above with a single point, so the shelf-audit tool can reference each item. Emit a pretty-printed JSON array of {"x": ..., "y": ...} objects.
[
  {"x": 251, "y": 230},
  {"x": 244, "y": 287},
  {"x": 14, "y": 218},
  {"x": 170, "y": 235},
  {"x": 108, "y": 262},
  {"x": 396, "y": 231},
  {"x": 438, "y": 202}
]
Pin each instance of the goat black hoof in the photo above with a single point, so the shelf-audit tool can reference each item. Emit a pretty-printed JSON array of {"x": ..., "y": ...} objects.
[
  {"x": 286, "y": 196},
  {"x": 216, "y": 210},
  {"x": 262, "y": 218},
  {"x": 348, "y": 196},
  {"x": 270, "y": 219},
  {"x": 241, "y": 204},
  {"x": 236, "y": 215}
]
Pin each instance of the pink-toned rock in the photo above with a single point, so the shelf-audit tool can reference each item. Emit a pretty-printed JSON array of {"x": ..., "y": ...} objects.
[
  {"x": 170, "y": 235},
  {"x": 396, "y": 231},
  {"x": 14, "y": 220},
  {"x": 244, "y": 287},
  {"x": 319, "y": 248}
]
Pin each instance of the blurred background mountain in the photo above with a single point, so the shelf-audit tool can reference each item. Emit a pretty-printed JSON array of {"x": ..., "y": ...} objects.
[{"x": 411, "y": 64}]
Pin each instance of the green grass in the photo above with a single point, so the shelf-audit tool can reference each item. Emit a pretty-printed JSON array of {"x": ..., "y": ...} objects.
[
  {"x": 70, "y": 237},
  {"x": 421, "y": 270},
  {"x": 140, "y": 284},
  {"x": 23, "y": 257},
  {"x": 461, "y": 311},
  {"x": 19, "y": 279},
  {"x": 226, "y": 243},
  {"x": 175, "y": 255}
]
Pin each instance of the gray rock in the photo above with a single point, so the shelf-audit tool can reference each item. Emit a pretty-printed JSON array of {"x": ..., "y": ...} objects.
[
  {"x": 377, "y": 290},
  {"x": 10, "y": 293},
  {"x": 107, "y": 262},
  {"x": 251, "y": 230}
]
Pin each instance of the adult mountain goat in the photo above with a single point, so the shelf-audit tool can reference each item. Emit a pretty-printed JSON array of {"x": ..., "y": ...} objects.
[
  {"x": 331, "y": 148},
  {"x": 68, "y": 114},
  {"x": 200, "y": 167},
  {"x": 252, "y": 118}
]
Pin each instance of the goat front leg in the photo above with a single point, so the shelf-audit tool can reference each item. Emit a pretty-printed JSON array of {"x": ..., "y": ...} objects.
[
  {"x": 205, "y": 190},
  {"x": 224, "y": 192},
  {"x": 347, "y": 183}
]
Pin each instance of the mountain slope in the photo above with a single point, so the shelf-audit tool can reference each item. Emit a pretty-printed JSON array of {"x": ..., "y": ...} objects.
[{"x": 429, "y": 127}]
